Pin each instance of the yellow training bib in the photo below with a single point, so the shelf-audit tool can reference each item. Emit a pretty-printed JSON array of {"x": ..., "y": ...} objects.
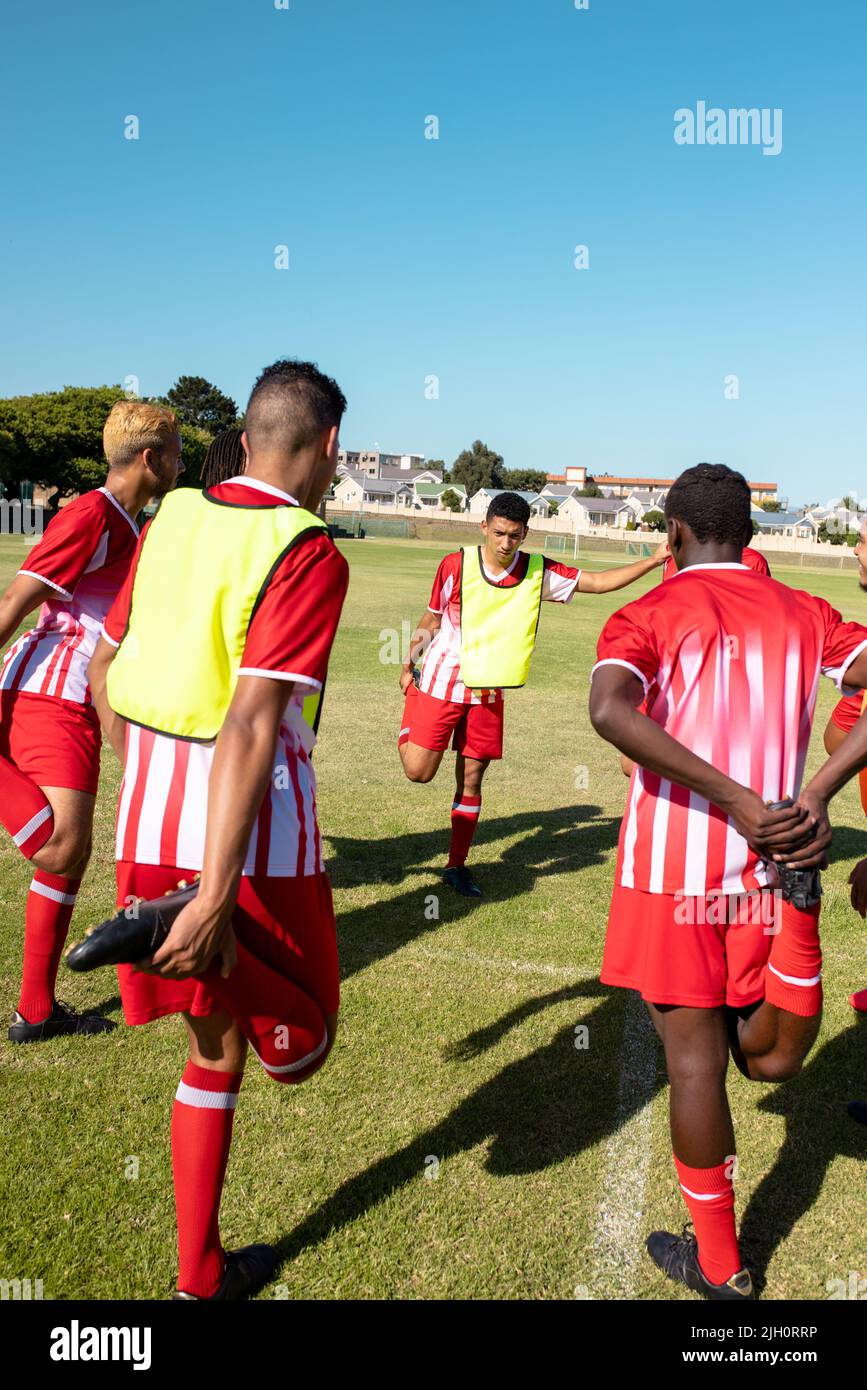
[
  {"x": 202, "y": 570},
  {"x": 498, "y": 625}
]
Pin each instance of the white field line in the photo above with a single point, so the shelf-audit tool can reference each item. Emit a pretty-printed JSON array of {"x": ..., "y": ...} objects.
[
  {"x": 618, "y": 1242},
  {"x": 512, "y": 967}
]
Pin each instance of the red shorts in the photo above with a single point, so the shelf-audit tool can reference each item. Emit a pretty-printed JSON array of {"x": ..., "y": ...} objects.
[
  {"x": 847, "y": 712},
  {"x": 475, "y": 730},
  {"x": 673, "y": 950},
  {"x": 286, "y": 922},
  {"x": 55, "y": 742}
]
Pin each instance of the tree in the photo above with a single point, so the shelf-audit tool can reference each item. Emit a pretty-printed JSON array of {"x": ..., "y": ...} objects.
[
  {"x": 54, "y": 438},
  {"x": 655, "y": 519},
  {"x": 452, "y": 500},
  {"x": 769, "y": 505},
  {"x": 523, "y": 479},
  {"x": 438, "y": 466},
  {"x": 198, "y": 402},
  {"x": 477, "y": 467},
  {"x": 590, "y": 489},
  {"x": 553, "y": 508}
]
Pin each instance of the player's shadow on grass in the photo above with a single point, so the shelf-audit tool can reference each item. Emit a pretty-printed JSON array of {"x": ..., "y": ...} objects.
[
  {"x": 818, "y": 1128},
  {"x": 535, "y": 1113},
  {"x": 565, "y": 840},
  {"x": 848, "y": 842}
]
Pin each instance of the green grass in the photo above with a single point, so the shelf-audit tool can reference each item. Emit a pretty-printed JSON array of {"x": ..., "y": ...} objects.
[{"x": 457, "y": 1038}]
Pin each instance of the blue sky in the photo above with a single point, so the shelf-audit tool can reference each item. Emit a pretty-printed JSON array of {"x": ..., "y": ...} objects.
[{"x": 412, "y": 258}]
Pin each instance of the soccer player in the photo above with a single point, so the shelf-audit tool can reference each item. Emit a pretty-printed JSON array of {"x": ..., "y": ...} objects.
[
  {"x": 208, "y": 680},
  {"x": 844, "y": 716},
  {"x": 728, "y": 662},
  {"x": 478, "y": 637},
  {"x": 49, "y": 733}
]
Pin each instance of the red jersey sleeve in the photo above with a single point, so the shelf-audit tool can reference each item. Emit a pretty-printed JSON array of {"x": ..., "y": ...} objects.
[
  {"x": 292, "y": 631},
  {"x": 756, "y": 561},
  {"x": 628, "y": 640},
  {"x": 449, "y": 568},
  {"x": 842, "y": 643},
  {"x": 114, "y": 626},
  {"x": 71, "y": 541},
  {"x": 560, "y": 581}
]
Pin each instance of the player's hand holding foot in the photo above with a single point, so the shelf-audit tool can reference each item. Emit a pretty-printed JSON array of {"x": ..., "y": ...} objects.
[
  {"x": 773, "y": 834},
  {"x": 814, "y": 853},
  {"x": 199, "y": 933}
]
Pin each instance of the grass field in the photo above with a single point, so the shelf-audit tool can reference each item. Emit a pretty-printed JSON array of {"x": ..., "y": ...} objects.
[{"x": 458, "y": 1144}]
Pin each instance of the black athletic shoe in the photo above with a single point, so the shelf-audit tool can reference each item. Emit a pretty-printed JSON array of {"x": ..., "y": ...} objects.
[
  {"x": 247, "y": 1271},
  {"x": 858, "y": 1110},
  {"x": 60, "y": 1023},
  {"x": 462, "y": 881},
  {"x": 677, "y": 1256},
  {"x": 124, "y": 940}
]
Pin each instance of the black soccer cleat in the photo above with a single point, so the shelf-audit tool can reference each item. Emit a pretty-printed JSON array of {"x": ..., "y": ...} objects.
[
  {"x": 62, "y": 1022},
  {"x": 124, "y": 940},
  {"x": 677, "y": 1256},
  {"x": 247, "y": 1271},
  {"x": 462, "y": 881},
  {"x": 858, "y": 1111}
]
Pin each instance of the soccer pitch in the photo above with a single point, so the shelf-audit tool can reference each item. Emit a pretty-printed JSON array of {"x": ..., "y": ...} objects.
[{"x": 467, "y": 1137}]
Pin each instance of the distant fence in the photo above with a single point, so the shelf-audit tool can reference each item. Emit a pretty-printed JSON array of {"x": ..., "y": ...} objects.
[{"x": 549, "y": 536}]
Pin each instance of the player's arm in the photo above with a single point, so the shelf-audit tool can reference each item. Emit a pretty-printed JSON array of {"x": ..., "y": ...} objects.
[
  {"x": 615, "y": 694},
  {"x": 427, "y": 627},
  {"x": 847, "y": 758},
  {"x": 113, "y": 726},
  {"x": 24, "y": 594},
  {"x": 606, "y": 581},
  {"x": 242, "y": 766}
]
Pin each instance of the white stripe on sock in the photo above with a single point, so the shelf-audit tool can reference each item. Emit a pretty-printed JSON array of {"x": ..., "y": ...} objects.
[
  {"x": 467, "y": 810},
  {"x": 295, "y": 1066},
  {"x": 702, "y": 1196},
  {"x": 54, "y": 894},
  {"x": 33, "y": 824},
  {"x": 206, "y": 1100},
  {"x": 793, "y": 979}
]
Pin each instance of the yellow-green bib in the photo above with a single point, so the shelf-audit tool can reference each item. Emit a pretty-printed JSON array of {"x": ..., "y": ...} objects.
[
  {"x": 498, "y": 625},
  {"x": 202, "y": 569}
]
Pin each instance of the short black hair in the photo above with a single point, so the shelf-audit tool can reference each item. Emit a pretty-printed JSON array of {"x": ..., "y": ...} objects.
[
  {"x": 290, "y": 404},
  {"x": 511, "y": 507},
  {"x": 714, "y": 501},
  {"x": 225, "y": 458}
]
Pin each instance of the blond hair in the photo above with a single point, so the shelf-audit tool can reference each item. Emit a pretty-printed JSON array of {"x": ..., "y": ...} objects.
[{"x": 133, "y": 426}]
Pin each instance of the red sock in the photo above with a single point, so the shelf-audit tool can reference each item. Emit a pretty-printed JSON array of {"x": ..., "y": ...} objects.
[
  {"x": 24, "y": 810},
  {"x": 202, "y": 1118},
  {"x": 465, "y": 818},
  {"x": 50, "y": 905},
  {"x": 284, "y": 1026},
  {"x": 403, "y": 735},
  {"x": 710, "y": 1197},
  {"x": 793, "y": 974}
]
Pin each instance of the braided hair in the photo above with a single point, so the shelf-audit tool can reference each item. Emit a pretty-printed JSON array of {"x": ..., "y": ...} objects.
[
  {"x": 225, "y": 458},
  {"x": 714, "y": 502}
]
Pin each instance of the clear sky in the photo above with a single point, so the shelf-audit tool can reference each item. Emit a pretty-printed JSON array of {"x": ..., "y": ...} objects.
[{"x": 411, "y": 258}]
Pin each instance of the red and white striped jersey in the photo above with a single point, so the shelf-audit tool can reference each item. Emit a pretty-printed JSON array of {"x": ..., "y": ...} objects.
[
  {"x": 730, "y": 662},
  {"x": 163, "y": 804},
  {"x": 753, "y": 559},
  {"x": 440, "y": 672},
  {"x": 84, "y": 556}
]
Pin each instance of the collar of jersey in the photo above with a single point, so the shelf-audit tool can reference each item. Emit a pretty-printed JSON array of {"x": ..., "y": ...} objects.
[
  {"x": 111, "y": 497},
  {"x": 241, "y": 481},
  {"x": 711, "y": 565},
  {"x": 495, "y": 578}
]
